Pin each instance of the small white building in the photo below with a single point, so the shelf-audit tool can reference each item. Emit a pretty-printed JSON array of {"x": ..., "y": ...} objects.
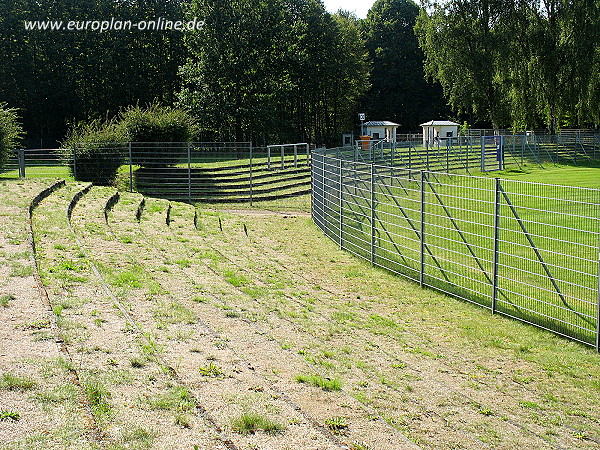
[
  {"x": 438, "y": 131},
  {"x": 381, "y": 130}
]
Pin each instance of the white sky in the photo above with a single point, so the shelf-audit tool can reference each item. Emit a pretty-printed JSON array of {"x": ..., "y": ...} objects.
[{"x": 360, "y": 7}]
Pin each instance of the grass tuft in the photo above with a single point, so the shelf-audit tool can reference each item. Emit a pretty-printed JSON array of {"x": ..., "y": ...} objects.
[
  {"x": 250, "y": 423},
  {"x": 10, "y": 382},
  {"x": 327, "y": 384}
]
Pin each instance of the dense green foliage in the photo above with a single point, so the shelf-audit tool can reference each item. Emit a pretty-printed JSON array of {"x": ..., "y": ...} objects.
[
  {"x": 94, "y": 151},
  {"x": 97, "y": 149},
  {"x": 11, "y": 132},
  {"x": 157, "y": 124},
  {"x": 278, "y": 70},
  {"x": 61, "y": 77},
  {"x": 273, "y": 71},
  {"x": 521, "y": 64},
  {"x": 399, "y": 90}
]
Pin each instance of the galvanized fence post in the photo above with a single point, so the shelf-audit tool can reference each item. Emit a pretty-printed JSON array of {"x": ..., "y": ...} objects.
[
  {"x": 422, "y": 236},
  {"x": 295, "y": 155},
  {"x": 282, "y": 157},
  {"x": 308, "y": 154},
  {"x": 372, "y": 214},
  {"x": 251, "y": 180},
  {"x": 496, "y": 243},
  {"x": 130, "y": 169},
  {"x": 21, "y": 155},
  {"x": 75, "y": 161},
  {"x": 341, "y": 205},
  {"x": 189, "y": 155},
  {"x": 598, "y": 309}
]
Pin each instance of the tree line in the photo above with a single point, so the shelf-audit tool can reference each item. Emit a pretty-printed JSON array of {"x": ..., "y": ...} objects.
[
  {"x": 271, "y": 71},
  {"x": 516, "y": 63}
]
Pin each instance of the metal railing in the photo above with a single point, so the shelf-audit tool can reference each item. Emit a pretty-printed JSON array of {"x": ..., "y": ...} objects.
[
  {"x": 478, "y": 153},
  {"x": 525, "y": 250},
  {"x": 196, "y": 171}
]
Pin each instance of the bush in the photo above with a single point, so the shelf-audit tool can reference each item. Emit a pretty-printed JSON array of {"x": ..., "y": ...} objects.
[
  {"x": 95, "y": 151},
  {"x": 11, "y": 132},
  {"x": 161, "y": 130}
]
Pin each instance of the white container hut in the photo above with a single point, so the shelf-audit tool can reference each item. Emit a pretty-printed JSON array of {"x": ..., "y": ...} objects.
[
  {"x": 381, "y": 130},
  {"x": 438, "y": 131}
]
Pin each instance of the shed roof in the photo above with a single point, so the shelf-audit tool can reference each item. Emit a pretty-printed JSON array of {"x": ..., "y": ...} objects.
[
  {"x": 440, "y": 123},
  {"x": 381, "y": 123}
]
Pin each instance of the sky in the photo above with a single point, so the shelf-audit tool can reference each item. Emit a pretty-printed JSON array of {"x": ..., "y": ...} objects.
[{"x": 360, "y": 7}]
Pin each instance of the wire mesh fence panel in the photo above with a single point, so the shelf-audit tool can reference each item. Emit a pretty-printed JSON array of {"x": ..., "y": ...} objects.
[
  {"x": 459, "y": 235},
  {"x": 548, "y": 257},
  {"x": 398, "y": 221},
  {"x": 526, "y": 250}
]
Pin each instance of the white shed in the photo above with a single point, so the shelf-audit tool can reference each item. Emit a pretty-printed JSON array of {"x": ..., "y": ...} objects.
[
  {"x": 381, "y": 130},
  {"x": 438, "y": 130}
]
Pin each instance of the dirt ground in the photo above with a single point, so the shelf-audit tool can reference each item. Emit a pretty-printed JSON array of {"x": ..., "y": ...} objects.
[{"x": 249, "y": 329}]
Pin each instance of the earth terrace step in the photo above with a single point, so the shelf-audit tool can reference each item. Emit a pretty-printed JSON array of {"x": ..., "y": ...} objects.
[
  {"x": 227, "y": 193},
  {"x": 220, "y": 186},
  {"x": 182, "y": 172},
  {"x": 183, "y": 177},
  {"x": 254, "y": 198}
]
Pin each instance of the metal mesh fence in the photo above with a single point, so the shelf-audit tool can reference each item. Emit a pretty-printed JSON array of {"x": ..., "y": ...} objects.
[
  {"x": 526, "y": 250},
  {"x": 198, "y": 171},
  {"x": 477, "y": 153}
]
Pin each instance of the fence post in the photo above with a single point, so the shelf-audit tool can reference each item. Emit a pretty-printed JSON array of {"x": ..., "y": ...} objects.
[
  {"x": 251, "y": 180},
  {"x": 189, "y": 155},
  {"x": 282, "y": 157},
  {"x": 295, "y": 155},
  {"x": 308, "y": 158},
  {"x": 422, "y": 268},
  {"x": 75, "y": 161},
  {"x": 598, "y": 310},
  {"x": 496, "y": 243},
  {"x": 372, "y": 214},
  {"x": 268, "y": 157},
  {"x": 341, "y": 187},
  {"x": 21, "y": 155},
  {"x": 130, "y": 169}
]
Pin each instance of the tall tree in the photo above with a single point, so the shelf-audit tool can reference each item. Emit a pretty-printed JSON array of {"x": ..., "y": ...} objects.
[
  {"x": 551, "y": 62},
  {"x": 55, "y": 77},
  {"x": 399, "y": 90},
  {"x": 463, "y": 45},
  {"x": 516, "y": 62},
  {"x": 273, "y": 70}
]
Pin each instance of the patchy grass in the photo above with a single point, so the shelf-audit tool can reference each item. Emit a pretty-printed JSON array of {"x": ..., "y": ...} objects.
[
  {"x": 250, "y": 423},
  {"x": 5, "y": 300},
  {"x": 212, "y": 370},
  {"x": 10, "y": 382},
  {"x": 327, "y": 384},
  {"x": 337, "y": 424},
  {"x": 9, "y": 415},
  {"x": 176, "y": 398}
]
